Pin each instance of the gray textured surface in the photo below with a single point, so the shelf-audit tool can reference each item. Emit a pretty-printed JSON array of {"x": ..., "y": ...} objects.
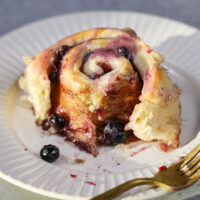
[{"x": 15, "y": 13}]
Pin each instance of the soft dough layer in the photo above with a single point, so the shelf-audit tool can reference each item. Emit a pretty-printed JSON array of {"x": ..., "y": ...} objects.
[
  {"x": 157, "y": 116},
  {"x": 102, "y": 75}
]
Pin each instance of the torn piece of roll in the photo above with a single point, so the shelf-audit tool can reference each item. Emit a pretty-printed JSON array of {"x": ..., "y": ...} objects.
[{"x": 99, "y": 85}]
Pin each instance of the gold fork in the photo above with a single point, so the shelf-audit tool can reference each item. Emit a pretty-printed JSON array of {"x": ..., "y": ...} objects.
[{"x": 178, "y": 176}]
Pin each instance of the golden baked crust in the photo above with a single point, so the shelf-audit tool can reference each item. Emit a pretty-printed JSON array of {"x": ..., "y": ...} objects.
[{"x": 96, "y": 83}]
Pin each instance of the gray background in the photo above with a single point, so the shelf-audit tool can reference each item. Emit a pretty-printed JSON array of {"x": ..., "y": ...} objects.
[{"x": 16, "y": 13}]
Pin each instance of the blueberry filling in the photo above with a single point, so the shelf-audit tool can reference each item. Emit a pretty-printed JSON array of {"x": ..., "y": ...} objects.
[
  {"x": 50, "y": 153},
  {"x": 95, "y": 76},
  {"x": 113, "y": 133},
  {"x": 123, "y": 51},
  {"x": 57, "y": 121},
  {"x": 87, "y": 55},
  {"x": 85, "y": 59},
  {"x": 55, "y": 62},
  {"x": 53, "y": 76},
  {"x": 62, "y": 50}
]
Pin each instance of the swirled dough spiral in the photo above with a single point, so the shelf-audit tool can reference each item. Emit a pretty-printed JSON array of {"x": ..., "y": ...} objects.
[{"x": 104, "y": 74}]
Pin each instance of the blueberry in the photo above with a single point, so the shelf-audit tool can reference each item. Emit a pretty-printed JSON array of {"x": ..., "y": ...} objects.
[
  {"x": 113, "y": 133},
  {"x": 53, "y": 76},
  {"x": 62, "y": 50},
  {"x": 123, "y": 51},
  {"x": 46, "y": 125},
  {"x": 50, "y": 153},
  {"x": 57, "y": 121}
]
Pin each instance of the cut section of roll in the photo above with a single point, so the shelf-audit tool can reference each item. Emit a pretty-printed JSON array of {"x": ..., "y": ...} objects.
[{"x": 84, "y": 81}]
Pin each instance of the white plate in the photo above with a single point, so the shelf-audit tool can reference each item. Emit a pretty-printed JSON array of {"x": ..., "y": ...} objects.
[{"x": 21, "y": 140}]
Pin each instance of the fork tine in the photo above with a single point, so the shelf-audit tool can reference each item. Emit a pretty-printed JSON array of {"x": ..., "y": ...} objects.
[
  {"x": 196, "y": 175},
  {"x": 191, "y": 164},
  {"x": 194, "y": 162},
  {"x": 191, "y": 155},
  {"x": 194, "y": 169}
]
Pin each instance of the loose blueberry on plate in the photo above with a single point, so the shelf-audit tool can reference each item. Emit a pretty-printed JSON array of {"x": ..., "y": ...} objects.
[
  {"x": 50, "y": 153},
  {"x": 113, "y": 133}
]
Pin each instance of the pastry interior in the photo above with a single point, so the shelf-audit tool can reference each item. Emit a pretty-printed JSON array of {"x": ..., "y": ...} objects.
[{"x": 98, "y": 75}]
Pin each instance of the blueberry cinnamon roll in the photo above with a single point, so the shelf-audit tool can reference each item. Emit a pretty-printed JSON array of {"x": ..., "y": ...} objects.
[{"x": 100, "y": 85}]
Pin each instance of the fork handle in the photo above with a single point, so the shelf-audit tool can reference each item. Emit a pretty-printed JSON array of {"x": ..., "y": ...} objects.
[{"x": 116, "y": 191}]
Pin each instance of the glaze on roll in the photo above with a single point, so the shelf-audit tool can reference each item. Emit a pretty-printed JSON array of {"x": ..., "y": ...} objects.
[{"x": 93, "y": 77}]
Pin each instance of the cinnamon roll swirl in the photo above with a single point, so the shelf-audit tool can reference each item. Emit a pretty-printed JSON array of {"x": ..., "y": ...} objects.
[{"x": 86, "y": 80}]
